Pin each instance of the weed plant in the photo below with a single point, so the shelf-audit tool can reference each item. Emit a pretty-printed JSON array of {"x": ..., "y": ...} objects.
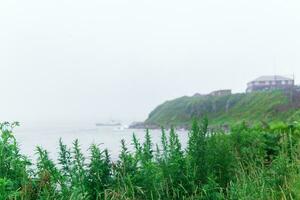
[{"x": 260, "y": 162}]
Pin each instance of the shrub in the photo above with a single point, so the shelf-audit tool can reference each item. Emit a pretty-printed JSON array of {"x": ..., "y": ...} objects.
[{"x": 260, "y": 162}]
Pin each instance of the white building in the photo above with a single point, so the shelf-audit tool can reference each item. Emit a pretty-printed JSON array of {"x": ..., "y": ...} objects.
[{"x": 270, "y": 82}]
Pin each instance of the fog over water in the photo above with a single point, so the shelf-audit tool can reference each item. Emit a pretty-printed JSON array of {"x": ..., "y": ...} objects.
[
  {"x": 106, "y": 137},
  {"x": 89, "y": 61}
]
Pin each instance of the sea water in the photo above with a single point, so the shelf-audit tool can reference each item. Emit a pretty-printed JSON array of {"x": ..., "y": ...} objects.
[{"x": 107, "y": 137}]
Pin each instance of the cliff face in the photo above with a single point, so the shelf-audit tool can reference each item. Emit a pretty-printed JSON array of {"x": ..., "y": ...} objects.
[{"x": 251, "y": 107}]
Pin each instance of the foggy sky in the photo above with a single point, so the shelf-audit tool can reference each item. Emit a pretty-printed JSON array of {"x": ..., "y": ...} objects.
[{"x": 117, "y": 59}]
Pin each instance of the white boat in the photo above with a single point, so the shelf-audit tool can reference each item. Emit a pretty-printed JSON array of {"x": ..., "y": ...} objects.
[{"x": 111, "y": 123}]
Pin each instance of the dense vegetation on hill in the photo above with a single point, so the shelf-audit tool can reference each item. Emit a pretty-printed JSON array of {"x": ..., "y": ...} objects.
[
  {"x": 249, "y": 163},
  {"x": 223, "y": 110}
]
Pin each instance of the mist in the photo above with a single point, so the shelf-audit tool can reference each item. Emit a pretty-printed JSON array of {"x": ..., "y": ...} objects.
[{"x": 99, "y": 60}]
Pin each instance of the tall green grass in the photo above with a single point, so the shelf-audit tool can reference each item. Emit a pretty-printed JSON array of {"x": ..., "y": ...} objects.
[{"x": 259, "y": 162}]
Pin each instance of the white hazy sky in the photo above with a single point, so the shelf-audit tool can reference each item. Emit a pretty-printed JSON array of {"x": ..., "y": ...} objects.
[{"x": 117, "y": 59}]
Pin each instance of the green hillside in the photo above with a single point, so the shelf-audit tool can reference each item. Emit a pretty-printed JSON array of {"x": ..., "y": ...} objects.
[{"x": 222, "y": 110}]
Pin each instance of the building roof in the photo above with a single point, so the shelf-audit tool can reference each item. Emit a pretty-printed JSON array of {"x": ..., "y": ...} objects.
[{"x": 273, "y": 78}]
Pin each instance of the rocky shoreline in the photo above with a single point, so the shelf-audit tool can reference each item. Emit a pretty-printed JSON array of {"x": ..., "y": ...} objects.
[{"x": 142, "y": 125}]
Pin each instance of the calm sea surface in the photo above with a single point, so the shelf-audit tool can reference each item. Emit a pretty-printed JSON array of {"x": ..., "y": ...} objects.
[{"x": 48, "y": 136}]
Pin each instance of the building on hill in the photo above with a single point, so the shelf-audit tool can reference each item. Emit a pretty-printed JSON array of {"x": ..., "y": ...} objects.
[
  {"x": 220, "y": 93},
  {"x": 264, "y": 83}
]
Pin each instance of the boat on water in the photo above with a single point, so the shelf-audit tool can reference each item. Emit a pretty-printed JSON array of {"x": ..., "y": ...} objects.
[{"x": 111, "y": 123}]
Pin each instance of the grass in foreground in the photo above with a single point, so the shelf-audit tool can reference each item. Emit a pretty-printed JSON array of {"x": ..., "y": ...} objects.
[{"x": 247, "y": 163}]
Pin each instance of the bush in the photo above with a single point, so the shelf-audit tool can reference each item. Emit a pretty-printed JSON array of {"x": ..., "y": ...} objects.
[{"x": 248, "y": 163}]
